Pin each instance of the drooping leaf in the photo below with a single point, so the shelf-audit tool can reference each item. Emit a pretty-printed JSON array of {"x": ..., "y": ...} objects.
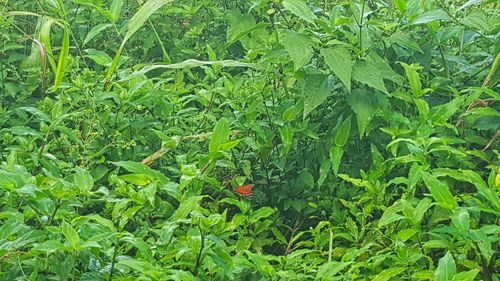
[
  {"x": 364, "y": 104},
  {"x": 62, "y": 63}
]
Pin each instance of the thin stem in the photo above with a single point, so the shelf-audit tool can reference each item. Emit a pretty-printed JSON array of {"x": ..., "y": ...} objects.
[
  {"x": 199, "y": 257},
  {"x": 360, "y": 25},
  {"x": 445, "y": 64}
]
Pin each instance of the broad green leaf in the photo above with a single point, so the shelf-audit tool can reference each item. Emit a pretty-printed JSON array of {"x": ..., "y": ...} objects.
[
  {"x": 413, "y": 78},
  {"x": 139, "y": 168},
  {"x": 482, "y": 188},
  {"x": 336, "y": 154},
  {"x": 420, "y": 209},
  {"x": 439, "y": 191},
  {"x": 115, "y": 9},
  {"x": 84, "y": 180},
  {"x": 99, "y": 57},
  {"x": 317, "y": 89},
  {"x": 71, "y": 235},
  {"x": 387, "y": 274},
  {"x": 460, "y": 219},
  {"x": 298, "y": 46},
  {"x": 339, "y": 61},
  {"x": 442, "y": 113},
  {"x": 368, "y": 74},
  {"x": 446, "y": 268},
  {"x": 300, "y": 9},
  {"x": 62, "y": 63},
  {"x": 186, "y": 206},
  {"x": 430, "y": 16},
  {"x": 404, "y": 40},
  {"x": 323, "y": 171},
  {"x": 407, "y": 233},
  {"x": 261, "y": 213},
  {"x": 220, "y": 135},
  {"x": 135, "y": 24},
  {"x": 466, "y": 275},
  {"x": 305, "y": 179},
  {"x": 49, "y": 246},
  {"x": 286, "y": 134},
  {"x": 343, "y": 132},
  {"x": 364, "y": 104},
  {"x": 400, "y": 5},
  {"x": 331, "y": 268},
  {"x": 391, "y": 215},
  {"x": 384, "y": 68},
  {"x": 96, "y": 30}
]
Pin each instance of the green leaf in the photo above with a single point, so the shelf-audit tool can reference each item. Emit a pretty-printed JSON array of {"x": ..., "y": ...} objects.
[
  {"x": 439, "y": 191},
  {"x": 446, "y": 268},
  {"x": 300, "y": 9},
  {"x": 420, "y": 209},
  {"x": 482, "y": 188},
  {"x": 460, "y": 219},
  {"x": 323, "y": 171},
  {"x": 387, "y": 274},
  {"x": 71, "y": 235},
  {"x": 400, "y": 5},
  {"x": 368, "y": 74},
  {"x": 336, "y": 154},
  {"x": 96, "y": 30},
  {"x": 364, "y": 104},
  {"x": 84, "y": 180},
  {"x": 115, "y": 9},
  {"x": 286, "y": 134},
  {"x": 220, "y": 135},
  {"x": 342, "y": 134},
  {"x": 430, "y": 16},
  {"x": 466, "y": 275},
  {"x": 261, "y": 213},
  {"x": 139, "y": 168},
  {"x": 298, "y": 46},
  {"x": 339, "y": 61},
  {"x": 413, "y": 78},
  {"x": 404, "y": 40},
  {"x": 62, "y": 63},
  {"x": 135, "y": 24},
  {"x": 318, "y": 87},
  {"x": 384, "y": 68},
  {"x": 186, "y": 206}
]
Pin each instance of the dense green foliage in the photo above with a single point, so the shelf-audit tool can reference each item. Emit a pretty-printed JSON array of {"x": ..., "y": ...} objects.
[{"x": 368, "y": 128}]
